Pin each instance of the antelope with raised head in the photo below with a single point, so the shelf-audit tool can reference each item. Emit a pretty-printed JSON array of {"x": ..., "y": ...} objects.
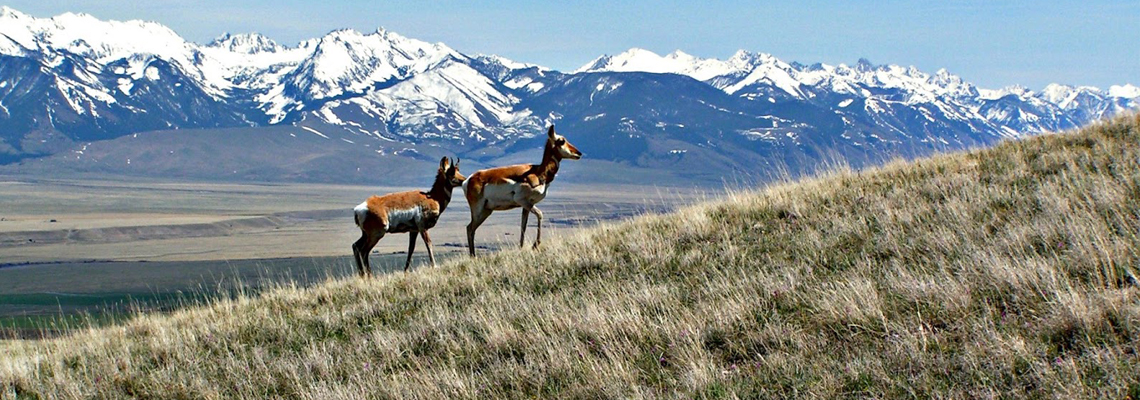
[
  {"x": 522, "y": 185},
  {"x": 409, "y": 212}
]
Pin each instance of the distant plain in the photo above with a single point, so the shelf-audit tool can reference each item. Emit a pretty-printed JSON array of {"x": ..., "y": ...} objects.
[{"x": 74, "y": 252}]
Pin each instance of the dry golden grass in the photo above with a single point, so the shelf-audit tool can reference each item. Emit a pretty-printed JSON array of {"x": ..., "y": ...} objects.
[{"x": 1004, "y": 272}]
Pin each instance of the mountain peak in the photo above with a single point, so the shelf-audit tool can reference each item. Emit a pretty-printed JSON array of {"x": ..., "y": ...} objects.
[
  {"x": 8, "y": 12},
  {"x": 387, "y": 33},
  {"x": 680, "y": 55},
  {"x": 247, "y": 43},
  {"x": 595, "y": 64},
  {"x": 863, "y": 65},
  {"x": 383, "y": 40},
  {"x": 642, "y": 60},
  {"x": 86, "y": 35},
  {"x": 741, "y": 54},
  {"x": 507, "y": 63},
  {"x": 943, "y": 77},
  {"x": 638, "y": 51},
  {"x": 343, "y": 33},
  {"x": 1127, "y": 91},
  {"x": 745, "y": 57},
  {"x": 1017, "y": 90},
  {"x": 1058, "y": 93},
  {"x": 347, "y": 60},
  {"x": 74, "y": 15},
  {"x": 634, "y": 59},
  {"x": 68, "y": 20}
]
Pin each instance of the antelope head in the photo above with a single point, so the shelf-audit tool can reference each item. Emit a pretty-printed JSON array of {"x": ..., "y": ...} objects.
[
  {"x": 561, "y": 146},
  {"x": 449, "y": 172}
]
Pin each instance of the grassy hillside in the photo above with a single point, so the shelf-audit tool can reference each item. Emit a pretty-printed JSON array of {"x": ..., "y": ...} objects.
[{"x": 1003, "y": 272}]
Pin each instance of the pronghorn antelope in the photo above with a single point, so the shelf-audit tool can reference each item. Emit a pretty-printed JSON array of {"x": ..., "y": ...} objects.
[
  {"x": 522, "y": 185},
  {"x": 412, "y": 211}
]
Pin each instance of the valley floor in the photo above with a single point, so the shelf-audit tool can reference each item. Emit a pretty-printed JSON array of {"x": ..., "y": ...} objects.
[
  {"x": 106, "y": 248},
  {"x": 69, "y": 221}
]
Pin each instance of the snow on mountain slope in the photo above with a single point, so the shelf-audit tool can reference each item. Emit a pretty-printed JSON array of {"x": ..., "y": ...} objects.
[
  {"x": 103, "y": 42},
  {"x": 405, "y": 81},
  {"x": 237, "y": 55},
  {"x": 449, "y": 101},
  {"x": 746, "y": 69},
  {"x": 1125, "y": 91},
  {"x": 893, "y": 82},
  {"x": 766, "y": 69},
  {"x": 103, "y": 79},
  {"x": 248, "y": 43},
  {"x": 677, "y": 62},
  {"x": 508, "y": 63},
  {"x": 347, "y": 61},
  {"x": 526, "y": 79},
  {"x": 764, "y": 77},
  {"x": 87, "y": 36},
  {"x": 1085, "y": 102},
  {"x": 403, "y": 87}
]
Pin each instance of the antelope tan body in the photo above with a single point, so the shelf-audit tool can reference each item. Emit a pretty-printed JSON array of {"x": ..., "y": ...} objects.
[
  {"x": 515, "y": 186},
  {"x": 508, "y": 187},
  {"x": 412, "y": 212}
]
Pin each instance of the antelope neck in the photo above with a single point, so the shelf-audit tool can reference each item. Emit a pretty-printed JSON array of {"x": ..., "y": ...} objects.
[
  {"x": 549, "y": 165},
  {"x": 441, "y": 191}
]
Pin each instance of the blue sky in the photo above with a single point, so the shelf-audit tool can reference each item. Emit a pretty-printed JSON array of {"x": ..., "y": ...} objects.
[{"x": 990, "y": 43}]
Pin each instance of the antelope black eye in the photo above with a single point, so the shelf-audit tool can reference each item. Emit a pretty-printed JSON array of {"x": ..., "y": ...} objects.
[{"x": 560, "y": 142}]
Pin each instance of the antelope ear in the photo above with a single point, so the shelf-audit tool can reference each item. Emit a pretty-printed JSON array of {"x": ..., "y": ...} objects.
[
  {"x": 444, "y": 163},
  {"x": 550, "y": 132}
]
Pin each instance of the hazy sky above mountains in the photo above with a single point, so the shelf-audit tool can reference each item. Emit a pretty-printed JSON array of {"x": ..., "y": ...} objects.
[{"x": 993, "y": 44}]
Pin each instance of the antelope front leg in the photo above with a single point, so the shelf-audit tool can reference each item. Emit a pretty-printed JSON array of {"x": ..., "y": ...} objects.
[
  {"x": 537, "y": 214},
  {"x": 427, "y": 242},
  {"x": 478, "y": 215},
  {"x": 522, "y": 233},
  {"x": 411, "y": 249},
  {"x": 356, "y": 256},
  {"x": 366, "y": 249}
]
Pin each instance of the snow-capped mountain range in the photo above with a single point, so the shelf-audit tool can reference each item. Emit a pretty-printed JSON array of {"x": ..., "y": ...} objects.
[
  {"x": 755, "y": 75},
  {"x": 73, "y": 80}
]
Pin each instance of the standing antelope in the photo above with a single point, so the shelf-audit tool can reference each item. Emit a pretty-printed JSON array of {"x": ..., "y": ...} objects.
[
  {"x": 522, "y": 185},
  {"x": 412, "y": 211}
]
